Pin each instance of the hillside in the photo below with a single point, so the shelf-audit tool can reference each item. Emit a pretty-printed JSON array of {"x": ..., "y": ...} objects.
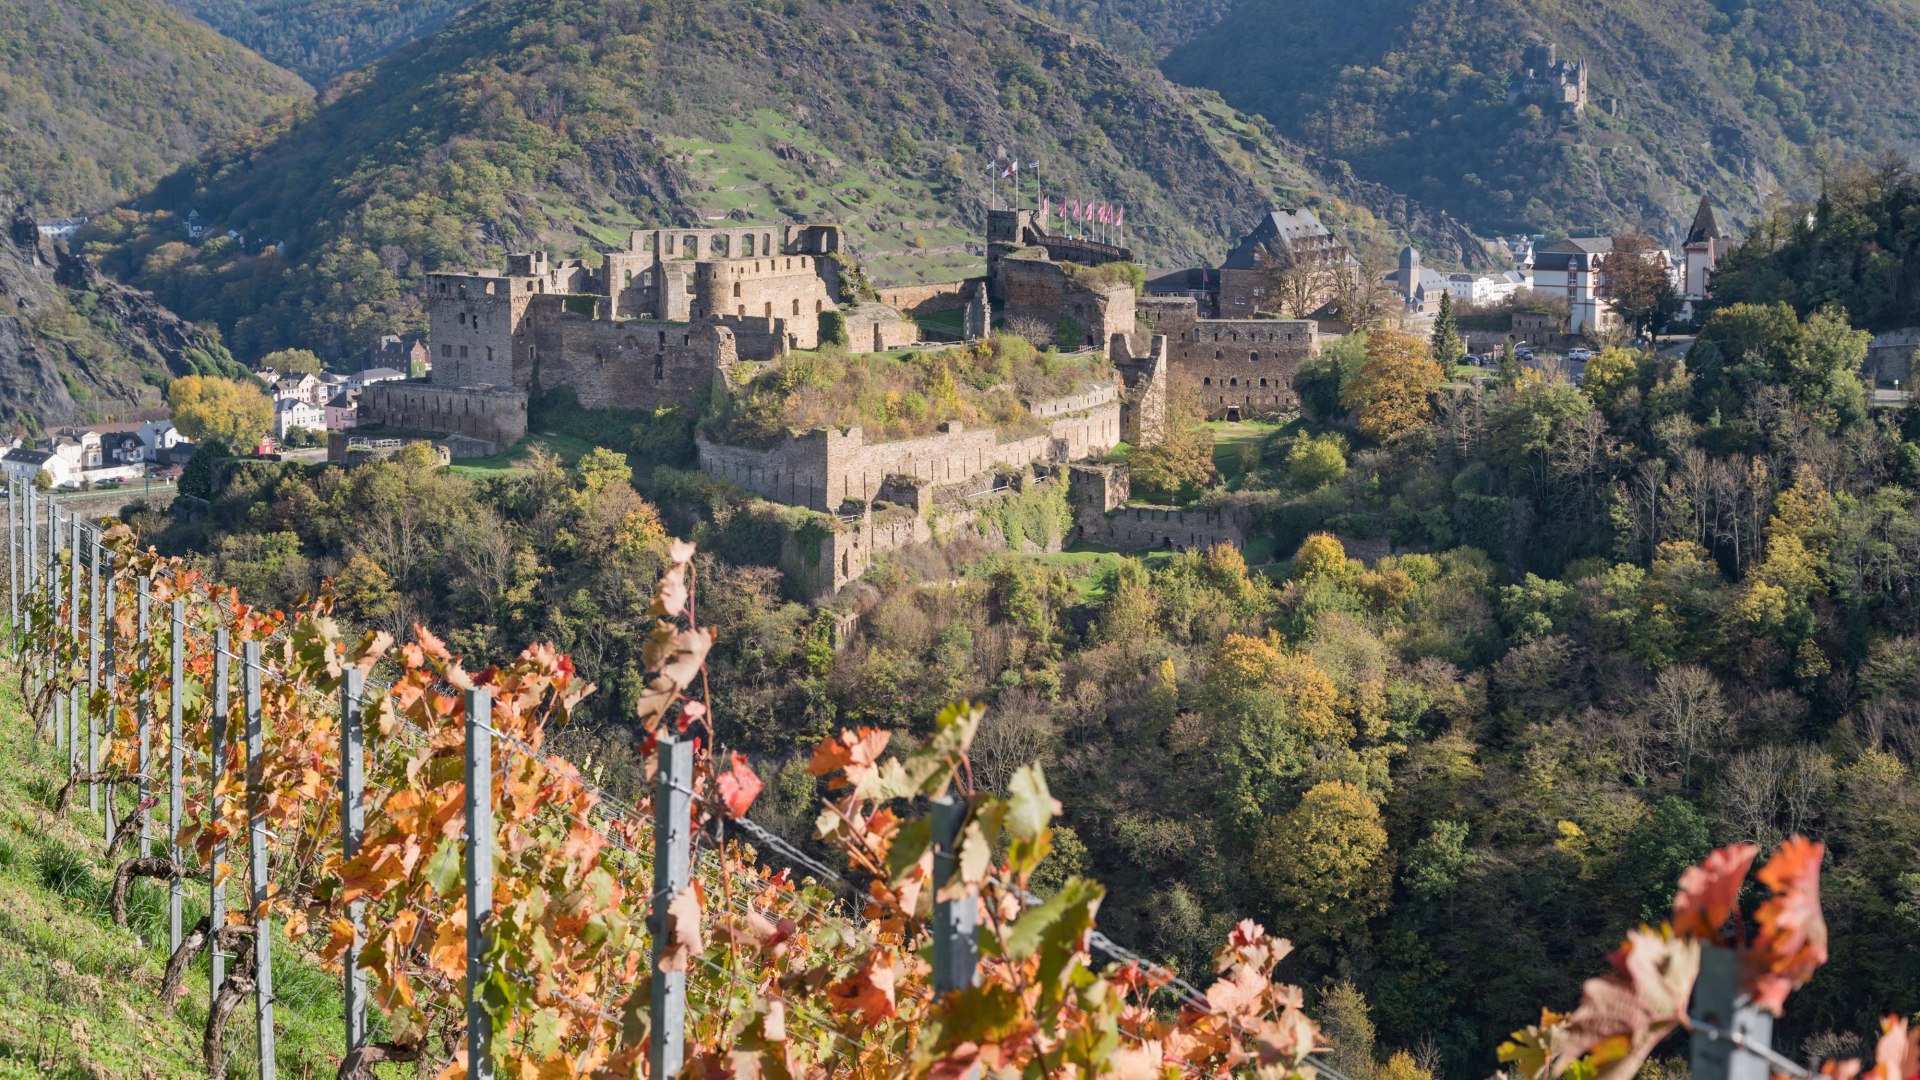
[
  {"x": 1739, "y": 101},
  {"x": 322, "y": 38},
  {"x": 100, "y": 98},
  {"x": 563, "y": 125},
  {"x": 77, "y": 346}
]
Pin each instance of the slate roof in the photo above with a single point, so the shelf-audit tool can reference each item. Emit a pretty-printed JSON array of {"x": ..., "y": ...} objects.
[
  {"x": 1287, "y": 226},
  {"x": 1706, "y": 227}
]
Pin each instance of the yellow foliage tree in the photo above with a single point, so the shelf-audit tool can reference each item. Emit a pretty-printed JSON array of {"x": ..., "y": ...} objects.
[
  {"x": 1323, "y": 557},
  {"x": 1245, "y": 664},
  {"x": 225, "y": 411},
  {"x": 1325, "y": 862},
  {"x": 1392, "y": 394},
  {"x": 1608, "y": 376}
]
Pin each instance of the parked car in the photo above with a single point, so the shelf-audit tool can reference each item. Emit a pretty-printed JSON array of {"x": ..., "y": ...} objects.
[{"x": 1580, "y": 354}]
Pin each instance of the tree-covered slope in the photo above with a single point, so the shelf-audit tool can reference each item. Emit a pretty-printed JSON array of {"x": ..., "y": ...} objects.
[
  {"x": 100, "y": 98},
  {"x": 78, "y": 346},
  {"x": 1738, "y": 100},
  {"x": 563, "y": 124},
  {"x": 323, "y": 38}
]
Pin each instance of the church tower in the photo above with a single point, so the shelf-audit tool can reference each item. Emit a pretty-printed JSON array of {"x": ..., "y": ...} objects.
[{"x": 1701, "y": 252}]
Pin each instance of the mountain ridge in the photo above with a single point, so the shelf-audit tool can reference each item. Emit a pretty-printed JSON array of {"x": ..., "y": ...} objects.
[
  {"x": 561, "y": 126},
  {"x": 101, "y": 98}
]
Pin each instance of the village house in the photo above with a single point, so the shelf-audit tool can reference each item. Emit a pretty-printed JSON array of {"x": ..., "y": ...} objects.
[
  {"x": 292, "y": 414},
  {"x": 343, "y": 411}
]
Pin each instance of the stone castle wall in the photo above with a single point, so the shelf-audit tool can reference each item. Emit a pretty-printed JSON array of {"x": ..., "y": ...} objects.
[
  {"x": 637, "y": 364},
  {"x": 1041, "y": 292},
  {"x": 1099, "y": 495},
  {"x": 824, "y": 470},
  {"x": 1247, "y": 364},
  {"x": 926, "y": 299},
  {"x": 497, "y": 415},
  {"x": 785, "y": 287}
]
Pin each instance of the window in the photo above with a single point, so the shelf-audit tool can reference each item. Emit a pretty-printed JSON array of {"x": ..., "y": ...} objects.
[
  {"x": 1263, "y": 382},
  {"x": 446, "y": 350},
  {"x": 1233, "y": 382},
  {"x": 659, "y": 367},
  {"x": 626, "y": 277},
  {"x": 489, "y": 354},
  {"x": 463, "y": 318},
  {"x": 796, "y": 305},
  {"x": 736, "y": 290},
  {"x": 1208, "y": 381},
  {"x": 463, "y": 352},
  {"x": 1253, "y": 357}
]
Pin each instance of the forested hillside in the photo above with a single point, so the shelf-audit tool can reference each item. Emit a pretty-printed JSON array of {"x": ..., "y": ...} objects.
[
  {"x": 323, "y": 38},
  {"x": 562, "y": 125},
  {"x": 100, "y": 98},
  {"x": 76, "y": 345},
  {"x": 1738, "y": 100},
  {"x": 1499, "y": 661}
]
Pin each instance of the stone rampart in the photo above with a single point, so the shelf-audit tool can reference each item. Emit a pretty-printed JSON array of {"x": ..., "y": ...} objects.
[
  {"x": 1243, "y": 365},
  {"x": 496, "y": 414},
  {"x": 1099, "y": 495},
  {"x": 636, "y": 364},
  {"x": 926, "y": 299},
  {"x": 1038, "y": 292},
  {"x": 826, "y": 470}
]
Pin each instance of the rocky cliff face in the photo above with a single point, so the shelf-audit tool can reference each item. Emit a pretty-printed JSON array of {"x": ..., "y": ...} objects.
[{"x": 76, "y": 346}]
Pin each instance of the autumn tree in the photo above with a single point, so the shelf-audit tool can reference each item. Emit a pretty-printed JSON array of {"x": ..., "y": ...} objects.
[
  {"x": 222, "y": 411},
  {"x": 1446, "y": 346},
  {"x": 1297, "y": 280},
  {"x": 1180, "y": 466},
  {"x": 293, "y": 362},
  {"x": 1392, "y": 394},
  {"x": 1325, "y": 862},
  {"x": 1637, "y": 285},
  {"x": 1690, "y": 712}
]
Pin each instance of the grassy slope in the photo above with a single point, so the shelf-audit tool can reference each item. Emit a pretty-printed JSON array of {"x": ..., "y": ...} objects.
[
  {"x": 77, "y": 994},
  {"x": 100, "y": 98}
]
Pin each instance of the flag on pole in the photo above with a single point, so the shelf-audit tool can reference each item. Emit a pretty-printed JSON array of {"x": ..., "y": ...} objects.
[
  {"x": 1073, "y": 209},
  {"x": 1106, "y": 215},
  {"x": 1046, "y": 205},
  {"x": 1086, "y": 211},
  {"x": 1120, "y": 217}
]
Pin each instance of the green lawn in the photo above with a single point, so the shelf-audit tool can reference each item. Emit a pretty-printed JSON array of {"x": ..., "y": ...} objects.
[
  {"x": 78, "y": 995},
  {"x": 514, "y": 458},
  {"x": 1088, "y": 566},
  {"x": 943, "y": 324},
  {"x": 1230, "y": 438}
]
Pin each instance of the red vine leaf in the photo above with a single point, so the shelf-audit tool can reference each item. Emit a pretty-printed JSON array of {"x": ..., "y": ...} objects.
[
  {"x": 682, "y": 930},
  {"x": 739, "y": 786},
  {"x": 869, "y": 990},
  {"x": 1625, "y": 1013},
  {"x": 1710, "y": 892},
  {"x": 1792, "y": 939}
]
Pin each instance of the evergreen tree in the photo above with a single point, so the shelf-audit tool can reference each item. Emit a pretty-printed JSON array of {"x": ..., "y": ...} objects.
[
  {"x": 1448, "y": 350},
  {"x": 1509, "y": 363}
]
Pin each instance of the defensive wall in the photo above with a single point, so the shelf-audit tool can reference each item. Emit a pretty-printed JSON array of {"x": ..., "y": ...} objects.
[
  {"x": 1243, "y": 364},
  {"x": 1099, "y": 494},
  {"x": 1040, "y": 292},
  {"x": 825, "y": 470},
  {"x": 927, "y": 299},
  {"x": 493, "y": 414},
  {"x": 636, "y": 364}
]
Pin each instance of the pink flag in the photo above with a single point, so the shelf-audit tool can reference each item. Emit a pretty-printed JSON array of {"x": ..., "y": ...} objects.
[
  {"x": 1106, "y": 214},
  {"x": 1045, "y": 206},
  {"x": 1086, "y": 211},
  {"x": 1120, "y": 217}
]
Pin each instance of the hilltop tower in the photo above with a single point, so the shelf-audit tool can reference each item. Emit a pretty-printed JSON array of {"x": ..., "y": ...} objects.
[
  {"x": 1410, "y": 275},
  {"x": 1701, "y": 252}
]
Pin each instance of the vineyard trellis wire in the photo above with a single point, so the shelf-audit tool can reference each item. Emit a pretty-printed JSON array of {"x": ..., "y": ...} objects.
[
  {"x": 506, "y": 927},
  {"x": 108, "y": 635}
]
